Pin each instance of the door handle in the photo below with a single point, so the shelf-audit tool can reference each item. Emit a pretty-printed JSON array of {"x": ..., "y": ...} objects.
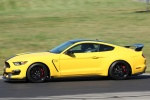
[{"x": 95, "y": 57}]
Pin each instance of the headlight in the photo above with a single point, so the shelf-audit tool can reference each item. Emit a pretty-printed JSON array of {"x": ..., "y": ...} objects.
[{"x": 20, "y": 63}]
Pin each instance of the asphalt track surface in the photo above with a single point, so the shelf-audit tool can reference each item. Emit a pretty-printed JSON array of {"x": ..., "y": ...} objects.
[{"x": 80, "y": 86}]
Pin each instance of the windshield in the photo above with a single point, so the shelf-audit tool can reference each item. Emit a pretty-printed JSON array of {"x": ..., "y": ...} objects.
[{"x": 61, "y": 47}]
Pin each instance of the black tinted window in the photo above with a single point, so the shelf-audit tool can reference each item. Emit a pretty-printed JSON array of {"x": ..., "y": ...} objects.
[
  {"x": 103, "y": 47},
  {"x": 85, "y": 47},
  {"x": 61, "y": 47}
]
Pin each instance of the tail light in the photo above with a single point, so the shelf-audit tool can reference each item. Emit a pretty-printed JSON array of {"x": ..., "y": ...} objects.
[
  {"x": 143, "y": 55},
  {"x": 145, "y": 59}
]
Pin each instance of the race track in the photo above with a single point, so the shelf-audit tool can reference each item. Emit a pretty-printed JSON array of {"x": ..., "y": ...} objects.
[{"x": 56, "y": 88}]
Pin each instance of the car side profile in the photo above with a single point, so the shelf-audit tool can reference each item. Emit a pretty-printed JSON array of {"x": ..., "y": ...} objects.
[{"x": 78, "y": 57}]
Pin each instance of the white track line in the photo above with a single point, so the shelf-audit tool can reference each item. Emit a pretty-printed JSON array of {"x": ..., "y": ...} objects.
[{"x": 145, "y": 95}]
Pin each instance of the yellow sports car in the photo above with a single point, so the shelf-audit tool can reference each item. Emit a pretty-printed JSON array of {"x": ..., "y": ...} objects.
[{"x": 77, "y": 58}]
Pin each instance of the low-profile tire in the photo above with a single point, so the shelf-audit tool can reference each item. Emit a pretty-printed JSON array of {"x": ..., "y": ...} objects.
[
  {"x": 37, "y": 73},
  {"x": 119, "y": 70}
]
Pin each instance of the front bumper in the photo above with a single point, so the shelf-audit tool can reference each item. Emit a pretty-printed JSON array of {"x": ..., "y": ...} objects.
[
  {"x": 14, "y": 75},
  {"x": 5, "y": 78},
  {"x": 13, "y": 72}
]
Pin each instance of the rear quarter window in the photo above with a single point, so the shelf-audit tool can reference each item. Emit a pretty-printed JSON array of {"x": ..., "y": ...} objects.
[{"x": 105, "y": 48}]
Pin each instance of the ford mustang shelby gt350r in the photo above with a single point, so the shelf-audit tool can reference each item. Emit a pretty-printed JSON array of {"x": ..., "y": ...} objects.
[{"x": 77, "y": 58}]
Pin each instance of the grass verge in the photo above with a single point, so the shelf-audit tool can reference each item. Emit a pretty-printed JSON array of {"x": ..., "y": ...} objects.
[{"x": 31, "y": 25}]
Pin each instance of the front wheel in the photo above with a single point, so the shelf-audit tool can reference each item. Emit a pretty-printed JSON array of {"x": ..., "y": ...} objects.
[
  {"x": 119, "y": 70},
  {"x": 37, "y": 73}
]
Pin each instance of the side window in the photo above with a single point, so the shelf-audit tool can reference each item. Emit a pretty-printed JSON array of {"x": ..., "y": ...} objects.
[
  {"x": 103, "y": 47},
  {"x": 85, "y": 47},
  {"x": 76, "y": 49}
]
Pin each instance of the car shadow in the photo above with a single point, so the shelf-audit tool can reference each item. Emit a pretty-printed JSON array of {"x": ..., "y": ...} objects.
[
  {"x": 97, "y": 78},
  {"x": 138, "y": 77},
  {"x": 71, "y": 79},
  {"x": 90, "y": 78}
]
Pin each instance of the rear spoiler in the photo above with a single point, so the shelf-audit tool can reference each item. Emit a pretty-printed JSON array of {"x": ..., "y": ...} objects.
[{"x": 138, "y": 47}]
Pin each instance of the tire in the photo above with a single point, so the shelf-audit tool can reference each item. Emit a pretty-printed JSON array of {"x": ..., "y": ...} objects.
[
  {"x": 37, "y": 73},
  {"x": 119, "y": 70}
]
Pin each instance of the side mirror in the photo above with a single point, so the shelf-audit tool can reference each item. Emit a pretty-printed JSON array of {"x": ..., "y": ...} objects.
[{"x": 69, "y": 52}]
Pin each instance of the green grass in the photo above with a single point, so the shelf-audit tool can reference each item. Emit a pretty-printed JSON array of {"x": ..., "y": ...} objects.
[{"x": 39, "y": 25}]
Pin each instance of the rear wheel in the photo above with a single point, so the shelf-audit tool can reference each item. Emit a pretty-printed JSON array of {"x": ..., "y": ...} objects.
[
  {"x": 119, "y": 70},
  {"x": 37, "y": 73}
]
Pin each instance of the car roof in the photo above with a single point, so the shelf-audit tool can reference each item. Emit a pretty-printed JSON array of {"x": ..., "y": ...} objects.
[
  {"x": 84, "y": 40},
  {"x": 90, "y": 40}
]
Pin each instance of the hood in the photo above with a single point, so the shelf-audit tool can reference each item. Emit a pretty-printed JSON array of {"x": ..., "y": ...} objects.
[
  {"x": 25, "y": 53},
  {"x": 30, "y": 55}
]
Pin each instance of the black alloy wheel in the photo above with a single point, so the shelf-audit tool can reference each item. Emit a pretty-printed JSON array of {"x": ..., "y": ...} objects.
[
  {"x": 37, "y": 73},
  {"x": 119, "y": 70}
]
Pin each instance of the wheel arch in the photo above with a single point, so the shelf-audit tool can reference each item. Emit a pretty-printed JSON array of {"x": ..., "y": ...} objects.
[
  {"x": 42, "y": 64},
  {"x": 130, "y": 73}
]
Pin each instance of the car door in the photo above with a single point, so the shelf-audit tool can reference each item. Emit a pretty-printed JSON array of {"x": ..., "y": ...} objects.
[{"x": 79, "y": 61}]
